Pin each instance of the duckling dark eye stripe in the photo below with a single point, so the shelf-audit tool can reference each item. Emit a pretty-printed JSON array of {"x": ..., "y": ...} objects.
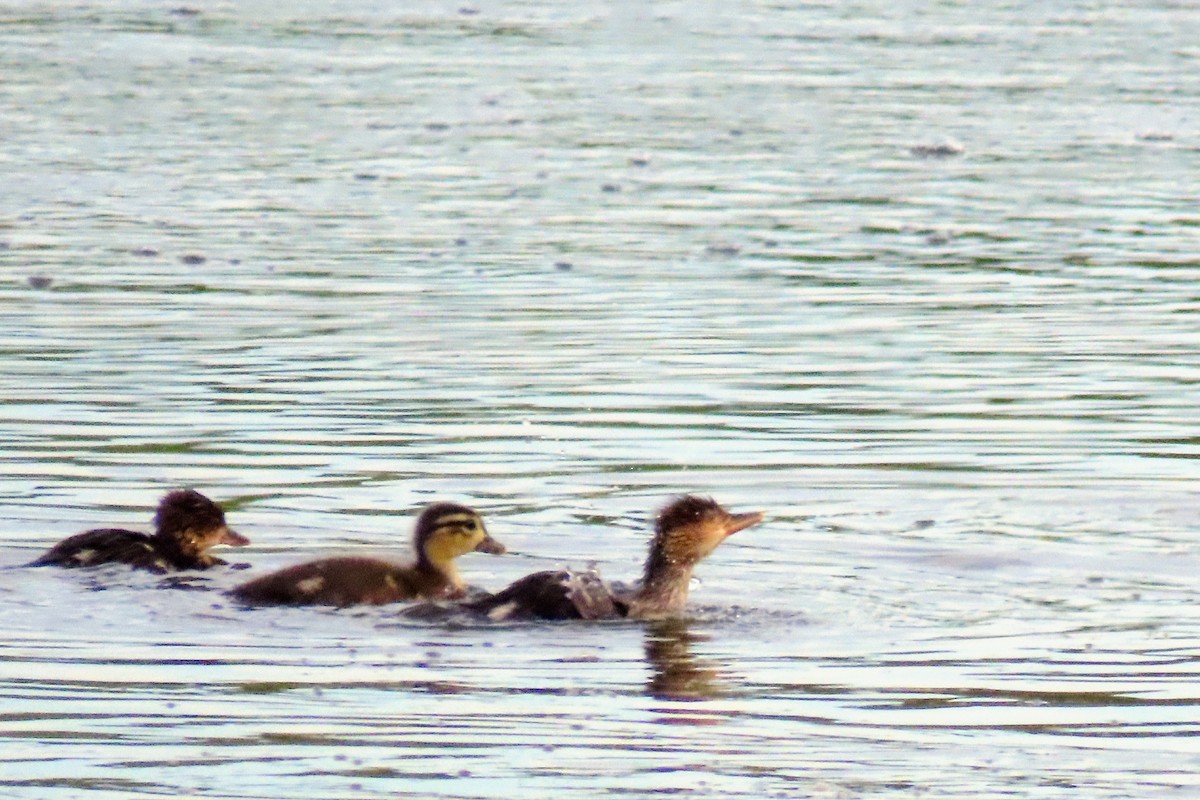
[{"x": 453, "y": 521}]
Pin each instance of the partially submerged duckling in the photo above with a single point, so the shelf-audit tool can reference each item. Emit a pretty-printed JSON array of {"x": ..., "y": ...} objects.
[
  {"x": 187, "y": 524},
  {"x": 443, "y": 532},
  {"x": 687, "y": 530}
]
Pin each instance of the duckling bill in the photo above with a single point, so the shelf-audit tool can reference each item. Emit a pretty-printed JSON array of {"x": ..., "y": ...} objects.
[
  {"x": 187, "y": 525},
  {"x": 444, "y": 531},
  {"x": 687, "y": 531}
]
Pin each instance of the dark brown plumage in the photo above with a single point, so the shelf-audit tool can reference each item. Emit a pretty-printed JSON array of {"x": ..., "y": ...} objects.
[
  {"x": 687, "y": 530},
  {"x": 443, "y": 532},
  {"x": 187, "y": 524},
  {"x": 553, "y": 594}
]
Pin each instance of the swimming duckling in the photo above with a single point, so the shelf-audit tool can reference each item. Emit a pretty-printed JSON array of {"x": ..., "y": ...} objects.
[
  {"x": 688, "y": 529},
  {"x": 186, "y": 525},
  {"x": 444, "y": 531}
]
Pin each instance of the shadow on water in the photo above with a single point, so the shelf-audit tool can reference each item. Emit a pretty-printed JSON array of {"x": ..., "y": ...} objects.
[{"x": 676, "y": 673}]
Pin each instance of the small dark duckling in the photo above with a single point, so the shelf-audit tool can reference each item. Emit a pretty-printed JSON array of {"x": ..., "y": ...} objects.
[
  {"x": 444, "y": 532},
  {"x": 688, "y": 529},
  {"x": 186, "y": 525}
]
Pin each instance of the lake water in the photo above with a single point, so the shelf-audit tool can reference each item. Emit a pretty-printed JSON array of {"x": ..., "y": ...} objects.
[{"x": 920, "y": 281}]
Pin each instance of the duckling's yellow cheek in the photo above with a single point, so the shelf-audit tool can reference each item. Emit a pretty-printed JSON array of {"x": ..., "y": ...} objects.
[{"x": 446, "y": 548}]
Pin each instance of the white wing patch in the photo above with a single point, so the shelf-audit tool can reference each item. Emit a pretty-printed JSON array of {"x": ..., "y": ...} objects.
[
  {"x": 310, "y": 586},
  {"x": 502, "y": 611},
  {"x": 84, "y": 557}
]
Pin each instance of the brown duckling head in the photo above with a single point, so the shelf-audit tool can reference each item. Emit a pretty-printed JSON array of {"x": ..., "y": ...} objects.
[
  {"x": 688, "y": 529},
  {"x": 193, "y": 523},
  {"x": 446, "y": 531}
]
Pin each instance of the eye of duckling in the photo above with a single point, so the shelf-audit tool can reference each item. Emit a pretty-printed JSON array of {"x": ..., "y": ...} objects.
[{"x": 459, "y": 527}]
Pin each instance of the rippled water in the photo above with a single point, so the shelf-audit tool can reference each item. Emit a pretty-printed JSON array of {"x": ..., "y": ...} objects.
[{"x": 918, "y": 281}]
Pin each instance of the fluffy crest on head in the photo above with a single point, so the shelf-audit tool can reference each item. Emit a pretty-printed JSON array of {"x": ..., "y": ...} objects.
[
  {"x": 686, "y": 510},
  {"x": 671, "y": 546},
  {"x": 185, "y": 509},
  {"x": 427, "y": 523}
]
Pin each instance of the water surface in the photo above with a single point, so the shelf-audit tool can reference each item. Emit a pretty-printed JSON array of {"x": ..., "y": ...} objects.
[{"x": 918, "y": 282}]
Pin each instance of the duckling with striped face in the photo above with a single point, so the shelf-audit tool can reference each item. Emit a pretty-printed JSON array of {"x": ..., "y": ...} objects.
[
  {"x": 687, "y": 531},
  {"x": 187, "y": 525},
  {"x": 443, "y": 532}
]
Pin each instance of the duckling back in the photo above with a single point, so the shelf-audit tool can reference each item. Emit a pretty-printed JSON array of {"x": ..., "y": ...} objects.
[
  {"x": 552, "y": 595},
  {"x": 340, "y": 582},
  {"x": 187, "y": 525},
  {"x": 106, "y": 546}
]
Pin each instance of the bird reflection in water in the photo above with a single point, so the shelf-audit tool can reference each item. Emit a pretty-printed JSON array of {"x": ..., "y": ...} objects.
[{"x": 677, "y": 674}]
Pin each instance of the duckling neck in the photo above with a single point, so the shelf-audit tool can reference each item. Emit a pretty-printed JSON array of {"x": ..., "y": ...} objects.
[
  {"x": 664, "y": 591},
  {"x": 439, "y": 571},
  {"x": 172, "y": 545}
]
